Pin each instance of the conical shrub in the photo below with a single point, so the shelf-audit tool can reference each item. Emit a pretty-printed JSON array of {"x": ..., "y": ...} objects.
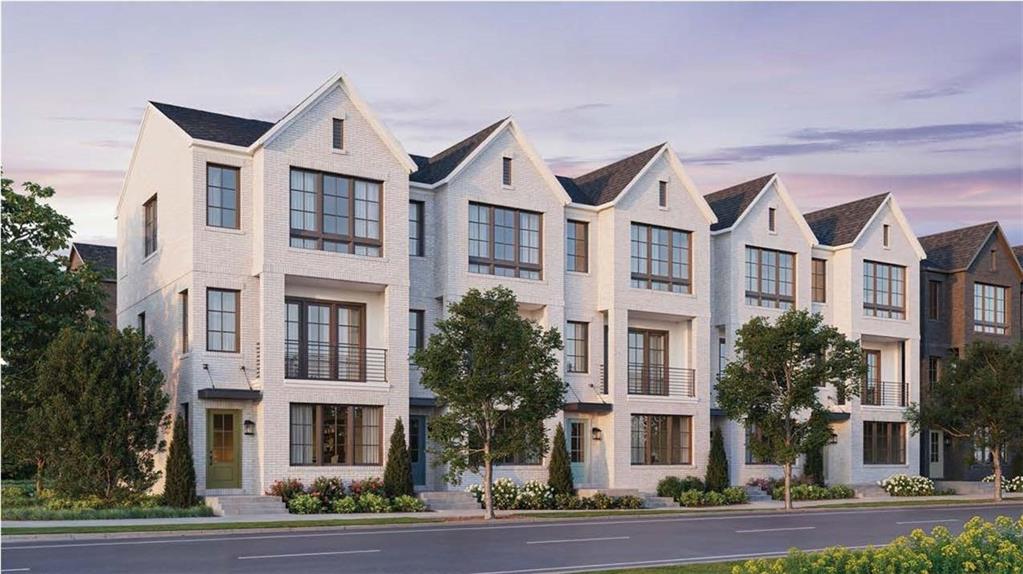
[
  {"x": 560, "y": 469},
  {"x": 179, "y": 488},
  {"x": 717, "y": 464},
  {"x": 398, "y": 472}
]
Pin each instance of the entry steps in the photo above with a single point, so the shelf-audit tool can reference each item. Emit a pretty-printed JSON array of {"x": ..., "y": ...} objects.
[
  {"x": 449, "y": 500},
  {"x": 242, "y": 504}
]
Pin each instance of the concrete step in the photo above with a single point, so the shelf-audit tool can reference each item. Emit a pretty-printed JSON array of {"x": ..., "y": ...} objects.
[
  {"x": 242, "y": 505},
  {"x": 449, "y": 500},
  {"x": 755, "y": 494}
]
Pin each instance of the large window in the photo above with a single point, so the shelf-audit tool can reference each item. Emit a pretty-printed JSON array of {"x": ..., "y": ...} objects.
[
  {"x": 324, "y": 435},
  {"x": 326, "y": 340},
  {"x": 222, "y": 320},
  {"x": 770, "y": 278},
  {"x": 989, "y": 309},
  {"x": 416, "y": 237},
  {"x": 884, "y": 288},
  {"x": 884, "y": 442},
  {"x": 335, "y": 213},
  {"x": 576, "y": 246},
  {"x": 819, "y": 286},
  {"x": 416, "y": 335},
  {"x": 577, "y": 344},
  {"x": 504, "y": 241},
  {"x": 221, "y": 196},
  {"x": 149, "y": 209},
  {"x": 662, "y": 439},
  {"x": 660, "y": 258}
]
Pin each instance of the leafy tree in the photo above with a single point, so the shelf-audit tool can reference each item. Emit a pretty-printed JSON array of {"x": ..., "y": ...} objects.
[
  {"x": 102, "y": 411},
  {"x": 773, "y": 384},
  {"x": 39, "y": 298},
  {"x": 979, "y": 397},
  {"x": 179, "y": 486},
  {"x": 398, "y": 472},
  {"x": 496, "y": 378},
  {"x": 813, "y": 466},
  {"x": 559, "y": 469},
  {"x": 717, "y": 464}
]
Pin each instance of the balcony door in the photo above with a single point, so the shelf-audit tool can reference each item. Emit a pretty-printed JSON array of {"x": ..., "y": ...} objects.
[
  {"x": 648, "y": 361},
  {"x": 872, "y": 383},
  {"x": 325, "y": 340}
]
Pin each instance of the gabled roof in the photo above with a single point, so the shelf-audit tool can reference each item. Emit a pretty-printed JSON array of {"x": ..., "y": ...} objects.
[
  {"x": 957, "y": 248},
  {"x": 101, "y": 258},
  {"x": 215, "y": 127},
  {"x": 842, "y": 224},
  {"x": 434, "y": 169},
  {"x": 1018, "y": 250},
  {"x": 605, "y": 184},
  {"x": 730, "y": 203}
]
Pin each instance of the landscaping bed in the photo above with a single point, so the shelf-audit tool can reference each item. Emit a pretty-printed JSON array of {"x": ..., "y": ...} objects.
[
  {"x": 535, "y": 495},
  {"x": 692, "y": 492},
  {"x": 20, "y": 502},
  {"x": 330, "y": 495},
  {"x": 802, "y": 489}
]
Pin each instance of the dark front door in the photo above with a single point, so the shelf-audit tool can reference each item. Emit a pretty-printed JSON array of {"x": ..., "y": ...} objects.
[
  {"x": 224, "y": 446},
  {"x": 417, "y": 448}
]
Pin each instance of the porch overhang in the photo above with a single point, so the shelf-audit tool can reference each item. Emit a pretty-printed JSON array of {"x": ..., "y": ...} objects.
[
  {"x": 579, "y": 407},
  {"x": 231, "y": 394},
  {"x": 424, "y": 402},
  {"x": 837, "y": 416}
]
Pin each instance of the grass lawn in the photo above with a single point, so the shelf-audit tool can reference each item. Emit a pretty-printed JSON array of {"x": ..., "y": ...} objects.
[{"x": 713, "y": 568}]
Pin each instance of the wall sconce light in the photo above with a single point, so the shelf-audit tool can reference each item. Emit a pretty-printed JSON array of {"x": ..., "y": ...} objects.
[
  {"x": 596, "y": 433},
  {"x": 250, "y": 427}
]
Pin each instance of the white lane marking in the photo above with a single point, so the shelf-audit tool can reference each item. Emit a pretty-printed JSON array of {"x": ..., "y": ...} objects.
[
  {"x": 577, "y": 540},
  {"x": 226, "y": 536},
  {"x": 929, "y": 521},
  {"x": 307, "y": 554},
  {"x": 15, "y": 570},
  {"x": 775, "y": 529}
]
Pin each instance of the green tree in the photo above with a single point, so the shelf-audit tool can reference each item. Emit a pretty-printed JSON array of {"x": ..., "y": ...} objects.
[
  {"x": 979, "y": 397},
  {"x": 559, "y": 469},
  {"x": 773, "y": 384},
  {"x": 398, "y": 472},
  {"x": 40, "y": 297},
  {"x": 717, "y": 464},
  {"x": 496, "y": 378},
  {"x": 102, "y": 411},
  {"x": 179, "y": 486}
]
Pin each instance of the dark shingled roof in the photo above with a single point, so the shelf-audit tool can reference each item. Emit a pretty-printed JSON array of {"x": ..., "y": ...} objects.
[
  {"x": 433, "y": 169},
  {"x": 730, "y": 203},
  {"x": 101, "y": 258},
  {"x": 955, "y": 249},
  {"x": 605, "y": 184},
  {"x": 1018, "y": 250},
  {"x": 215, "y": 127},
  {"x": 841, "y": 224}
]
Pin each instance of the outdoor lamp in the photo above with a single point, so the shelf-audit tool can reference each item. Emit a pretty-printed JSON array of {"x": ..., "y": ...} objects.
[
  {"x": 596, "y": 433},
  {"x": 250, "y": 427}
]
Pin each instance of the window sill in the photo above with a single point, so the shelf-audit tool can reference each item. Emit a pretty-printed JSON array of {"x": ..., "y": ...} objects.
[
  {"x": 580, "y": 273},
  {"x": 508, "y": 187},
  {"x": 690, "y": 295},
  {"x": 321, "y": 252},
  {"x": 151, "y": 256},
  {"x": 506, "y": 278},
  {"x": 658, "y": 465},
  {"x": 885, "y": 319},
  {"x": 227, "y": 230},
  {"x": 339, "y": 151},
  {"x": 893, "y": 408},
  {"x": 349, "y": 385},
  {"x": 664, "y": 399}
]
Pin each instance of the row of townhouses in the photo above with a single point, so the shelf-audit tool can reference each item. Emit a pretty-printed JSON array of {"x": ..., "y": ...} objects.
[{"x": 287, "y": 270}]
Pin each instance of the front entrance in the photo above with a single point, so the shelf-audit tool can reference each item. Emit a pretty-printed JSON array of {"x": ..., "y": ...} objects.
[
  {"x": 577, "y": 451},
  {"x": 224, "y": 446},
  {"x": 417, "y": 448},
  {"x": 936, "y": 454}
]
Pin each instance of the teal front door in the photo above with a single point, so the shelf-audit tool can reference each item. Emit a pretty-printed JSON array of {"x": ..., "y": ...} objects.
[
  {"x": 417, "y": 448},
  {"x": 577, "y": 450}
]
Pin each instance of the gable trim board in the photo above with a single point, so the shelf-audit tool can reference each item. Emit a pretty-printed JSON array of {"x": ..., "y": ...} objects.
[{"x": 786, "y": 199}]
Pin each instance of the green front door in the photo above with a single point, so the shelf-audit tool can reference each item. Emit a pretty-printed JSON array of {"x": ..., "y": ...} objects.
[{"x": 224, "y": 448}]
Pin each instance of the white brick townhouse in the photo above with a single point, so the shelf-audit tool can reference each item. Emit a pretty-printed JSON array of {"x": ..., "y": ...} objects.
[{"x": 286, "y": 270}]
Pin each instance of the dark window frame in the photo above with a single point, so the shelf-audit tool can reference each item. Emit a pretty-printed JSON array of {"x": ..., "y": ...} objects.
[
  {"x": 675, "y": 431},
  {"x": 337, "y": 134},
  {"x": 183, "y": 300},
  {"x": 416, "y": 221},
  {"x": 417, "y": 327},
  {"x": 582, "y": 346},
  {"x": 577, "y": 249},
  {"x": 889, "y": 309},
  {"x": 662, "y": 193},
  {"x": 819, "y": 280},
  {"x": 237, "y": 319},
  {"x": 761, "y": 297},
  {"x": 647, "y": 279},
  {"x": 349, "y": 240},
  {"x": 236, "y": 208},
  {"x": 506, "y": 171},
  {"x": 772, "y": 219},
  {"x": 989, "y": 306},
  {"x": 884, "y": 443},
  {"x": 350, "y": 448},
  {"x": 534, "y": 458},
  {"x": 140, "y": 323},
  {"x": 149, "y": 209},
  {"x": 886, "y": 236},
  {"x": 334, "y": 372},
  {"x": 934, "y": 370},
  {"x": 934, "y": 288},
  {"x": 490, "y": 262}
]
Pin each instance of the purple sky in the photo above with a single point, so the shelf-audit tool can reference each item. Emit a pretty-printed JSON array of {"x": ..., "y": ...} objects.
[{"x": 844, "y": 100}]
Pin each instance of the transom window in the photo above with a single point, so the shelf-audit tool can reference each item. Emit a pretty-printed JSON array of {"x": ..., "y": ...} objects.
[
  {"x": 221, "y": 196},
  {"x": 326, "y": 340},
  {"x": 504, "y": 241},
  {"x": 335, "y": 213},
  {"x": 661, "y": 258},
  {"x": 770, "y": 278},
  {"x": 819, "y": 287},
  {"x": 222, "y": 320},
  {"x": 884, "y": 442},
  {"x": 577, "y": 246},
  {"x": 325, "y": 435},
  {"x": 661, "y": 439},
  {"x": 577, "y": 343},
  {"x": 989, "y": 309},
  {"x": 884, "y": 288}
]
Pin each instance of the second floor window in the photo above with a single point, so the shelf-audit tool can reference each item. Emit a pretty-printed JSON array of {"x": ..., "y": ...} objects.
[
  {"x": 884, "y": 288},
  {"x": 504, "y": 241},
  {"x": 416, "y": 237},
  {"x": 577, "y": 344},
  {"x": 222, "y": 196},
  {"x": 819, "y": 286},
  {"x": 149, "y": 209},
  {"x": 770, "y": 278},
  {"x": 576, "y": 246},
  {"x": 222, "y": 320},
  {"x": 660, "y": 258},
  {"x": 416, "y": 334},
  {"x": 989, "y": 309},
  {"x": 335, "y": 213}
]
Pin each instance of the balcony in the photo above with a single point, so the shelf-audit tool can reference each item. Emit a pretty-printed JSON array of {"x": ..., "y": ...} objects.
[
  {"x": 884, "y": 393},
  {"x": 661, "y": 380},
  {"x": 327, "y": 362}
]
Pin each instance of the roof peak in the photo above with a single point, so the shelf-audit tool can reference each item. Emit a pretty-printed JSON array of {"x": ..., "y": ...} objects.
[
  {"x": 606, "y": 183},
  {"x": 434, "y": 169}
]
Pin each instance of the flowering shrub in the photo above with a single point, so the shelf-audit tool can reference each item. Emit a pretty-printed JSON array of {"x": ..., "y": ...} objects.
[
  {"x": 535, "y": 495},
  {"x": 372, "y": 502},
  {"x": 981, "y": 547},
  {"x": 735, "y": 495},
  {"x": 905, "y": 485},
  {"x": 506, "y": 494},
  {"x": 327, "y": 489},
  {"x": 304, "y": 504},
  {"x": 286, "y": 489},
  {"x": 406, "y": 503},
  {"x": 367, "y": 486},
  {"x": 344, "y": 505},
  {"x": 814, "y": 492},
  {"x": 1008, "y": 484}
]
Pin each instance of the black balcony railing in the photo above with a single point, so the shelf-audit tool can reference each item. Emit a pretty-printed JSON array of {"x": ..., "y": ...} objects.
[
  {"x": 661, "y": 380},
  {"x": 334, "y": 362},
  {"x": 603, "y": 379},
  {"x": 884, "y": 393}
]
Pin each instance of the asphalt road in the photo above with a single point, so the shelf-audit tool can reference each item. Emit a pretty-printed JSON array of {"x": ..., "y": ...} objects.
[{"x": 505, "y": 547}]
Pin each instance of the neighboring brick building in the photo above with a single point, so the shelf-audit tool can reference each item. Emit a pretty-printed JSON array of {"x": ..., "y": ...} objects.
[
  {"x": 969, "y": 291},
  {"x": 103, "y": 260}
]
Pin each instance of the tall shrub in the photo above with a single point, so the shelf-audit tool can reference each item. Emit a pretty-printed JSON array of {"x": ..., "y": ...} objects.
[
  {"x": 717, "y": 464},
  {"x": 398, "y": 472},
  {"x": 179, "y": 488},
  {"x": 813, "y": 466},
  {"x": 560, "y": 470}
]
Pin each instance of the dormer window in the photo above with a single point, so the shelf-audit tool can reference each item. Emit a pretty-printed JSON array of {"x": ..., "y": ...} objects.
[
  {"x": 662, "y": 194},
  {"x": 338, "y": 134},
  {"x": 506, "y": 171},
  {"x": 770, "y": 219},
  {"x": 887, "y": 235}
]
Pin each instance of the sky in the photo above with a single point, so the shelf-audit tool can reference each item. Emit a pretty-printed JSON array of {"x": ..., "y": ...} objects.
[{"x": 842, "y": 100}]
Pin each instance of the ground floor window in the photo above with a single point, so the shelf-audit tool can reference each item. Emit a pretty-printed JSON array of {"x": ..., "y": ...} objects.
[
  {"x": 325, "y": 435},
  {"x": 755, "y": 435},
  {"x": 519, "y": 458},
  {"x": 884, "y": 442},
  {"x": 662, "y": 439}
]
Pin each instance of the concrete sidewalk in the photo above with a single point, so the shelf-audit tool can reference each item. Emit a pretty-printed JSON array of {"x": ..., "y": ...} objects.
[{"x": 200, "y": 522}]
